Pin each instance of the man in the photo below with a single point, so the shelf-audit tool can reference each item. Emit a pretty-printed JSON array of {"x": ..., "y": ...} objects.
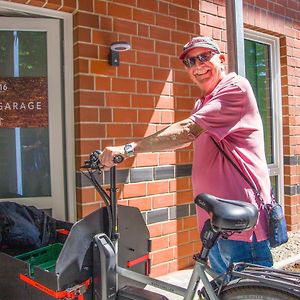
[{"x": 226, "y": 112}]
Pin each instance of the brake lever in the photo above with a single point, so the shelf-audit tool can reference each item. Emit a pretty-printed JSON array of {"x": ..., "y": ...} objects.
[{"x": 95, "y": 163}]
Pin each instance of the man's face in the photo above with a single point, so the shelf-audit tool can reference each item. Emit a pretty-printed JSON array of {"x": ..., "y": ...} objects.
[{"x": 208, "y": 72}]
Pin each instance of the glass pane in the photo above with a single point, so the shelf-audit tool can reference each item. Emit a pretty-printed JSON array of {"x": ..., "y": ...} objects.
[
  {"x": 258, "y": 72},
  {"x": 274, "y": 184},
  {"x": 24, "y": 132}
]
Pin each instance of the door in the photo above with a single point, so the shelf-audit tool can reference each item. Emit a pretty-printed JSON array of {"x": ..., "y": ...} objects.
[{"x": 31, "y": 139}]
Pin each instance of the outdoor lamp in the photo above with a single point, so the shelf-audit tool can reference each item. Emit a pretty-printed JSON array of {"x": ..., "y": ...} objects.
[{"x": 114, "y": 49}]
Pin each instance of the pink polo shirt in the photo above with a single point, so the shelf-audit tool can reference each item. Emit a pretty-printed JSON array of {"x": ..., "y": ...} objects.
[{"x": 230, "y": 115}]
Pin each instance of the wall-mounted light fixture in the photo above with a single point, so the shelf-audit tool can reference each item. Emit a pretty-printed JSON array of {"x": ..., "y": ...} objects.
[{"x": 115, "y": 48}]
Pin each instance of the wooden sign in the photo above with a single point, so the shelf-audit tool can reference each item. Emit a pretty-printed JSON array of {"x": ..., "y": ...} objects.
[{"x": 23, "y": 102}]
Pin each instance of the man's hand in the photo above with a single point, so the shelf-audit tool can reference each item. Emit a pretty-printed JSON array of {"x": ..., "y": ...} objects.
[{"x": 108, "y": 154}]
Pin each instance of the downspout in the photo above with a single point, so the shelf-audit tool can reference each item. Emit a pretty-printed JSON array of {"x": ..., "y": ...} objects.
[{"x": 235, "y": 37}]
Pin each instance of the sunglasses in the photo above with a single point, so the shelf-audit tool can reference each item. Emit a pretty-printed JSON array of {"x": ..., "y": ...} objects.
[{"x": 204, "y": 57}]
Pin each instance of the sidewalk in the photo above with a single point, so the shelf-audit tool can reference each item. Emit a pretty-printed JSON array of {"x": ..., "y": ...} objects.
[{"x": 180, "y": 278}]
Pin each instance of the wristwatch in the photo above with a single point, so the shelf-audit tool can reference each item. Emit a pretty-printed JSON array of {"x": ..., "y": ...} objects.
[{"x": 128, "y": 150}]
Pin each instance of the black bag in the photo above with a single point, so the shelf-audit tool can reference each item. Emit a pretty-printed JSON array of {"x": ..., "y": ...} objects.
[
  {"x": 26, "y": 227},
  {"x": 277, "y": 229},
  {"x": 277, "y": 224}
]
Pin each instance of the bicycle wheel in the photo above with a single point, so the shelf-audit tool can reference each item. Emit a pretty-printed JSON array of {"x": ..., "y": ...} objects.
[{"x": 254, "y": 293}]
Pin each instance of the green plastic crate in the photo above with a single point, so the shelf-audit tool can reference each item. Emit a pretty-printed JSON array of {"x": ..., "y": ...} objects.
[{"x": 45, "y": 258}]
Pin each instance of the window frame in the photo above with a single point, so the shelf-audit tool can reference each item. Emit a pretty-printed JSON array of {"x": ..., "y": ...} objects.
[{"x": 276, "y": 168}]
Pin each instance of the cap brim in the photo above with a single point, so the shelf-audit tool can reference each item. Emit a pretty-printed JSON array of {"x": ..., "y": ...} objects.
[{"x": 207, "y": 46}]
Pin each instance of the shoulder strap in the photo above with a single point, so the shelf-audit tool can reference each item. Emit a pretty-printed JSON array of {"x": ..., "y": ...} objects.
[{"x": 256, "y": 192}]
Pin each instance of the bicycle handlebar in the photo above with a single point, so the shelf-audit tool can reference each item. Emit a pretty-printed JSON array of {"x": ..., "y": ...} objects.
[{"x": 94, "y": 162}]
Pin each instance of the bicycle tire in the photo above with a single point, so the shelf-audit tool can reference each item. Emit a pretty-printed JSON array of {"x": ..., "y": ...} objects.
[{"x": 256, "y": 293}]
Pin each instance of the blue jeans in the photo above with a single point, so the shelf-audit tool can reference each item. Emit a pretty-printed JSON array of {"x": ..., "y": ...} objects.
[{"x": 225, "y": 252}]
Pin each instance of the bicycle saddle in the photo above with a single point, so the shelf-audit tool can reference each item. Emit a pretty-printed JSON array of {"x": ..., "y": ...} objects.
[{"x": 228, "y": 215}]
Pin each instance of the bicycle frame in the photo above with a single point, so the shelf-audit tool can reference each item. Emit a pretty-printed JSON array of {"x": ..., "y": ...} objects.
[
  {"x": 242, "y": 272},
  {"x": 198, "y": 275}
]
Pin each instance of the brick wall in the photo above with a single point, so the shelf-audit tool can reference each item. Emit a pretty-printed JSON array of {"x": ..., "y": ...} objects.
[{"x": 150, "y": 89}]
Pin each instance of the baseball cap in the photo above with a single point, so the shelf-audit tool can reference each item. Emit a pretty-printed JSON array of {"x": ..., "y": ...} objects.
[{"x": 199, "y": 42}]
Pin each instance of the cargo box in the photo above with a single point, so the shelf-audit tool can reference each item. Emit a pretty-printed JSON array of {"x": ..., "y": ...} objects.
[{"x": 64, "y": 269}]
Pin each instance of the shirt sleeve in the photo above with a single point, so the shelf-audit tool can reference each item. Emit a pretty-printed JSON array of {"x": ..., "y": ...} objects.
[{"x": 222, "y": 113}]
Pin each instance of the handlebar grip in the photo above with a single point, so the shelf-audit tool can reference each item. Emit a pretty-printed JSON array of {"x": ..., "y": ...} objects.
[{"x": 118, "y": 159}]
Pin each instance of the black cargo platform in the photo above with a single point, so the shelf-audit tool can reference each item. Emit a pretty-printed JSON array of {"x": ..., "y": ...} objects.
[{"x": 64, "y": 270}]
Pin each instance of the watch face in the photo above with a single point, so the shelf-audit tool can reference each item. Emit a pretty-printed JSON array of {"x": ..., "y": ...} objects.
[{"x": 128, "y": 149}]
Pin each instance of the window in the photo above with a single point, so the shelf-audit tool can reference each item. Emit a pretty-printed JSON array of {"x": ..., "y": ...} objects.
[{"x": 262, "y": 66}]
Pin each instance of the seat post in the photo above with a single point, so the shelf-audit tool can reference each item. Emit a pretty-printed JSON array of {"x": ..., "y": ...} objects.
[{"x": 208, "y": 237}]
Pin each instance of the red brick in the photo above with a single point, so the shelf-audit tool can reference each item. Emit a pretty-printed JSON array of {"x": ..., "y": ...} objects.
[
  {"x": 101, "y": 7},
  {"x": 141, "y": 72},
  {"x": 167, "y": 158},
  {"x": 149, "y": 116},
  {"x": 116, "y": 130},
  {"x": 163, "y": 256},
  {"x": 142, "y": 203},
  {"x": 86, "y": 5},
  {"x": 179, "y": 184},
  {"x": 123, "y": 26},
  {"x": 134, "y": 190},
  {"x": 190, "y": 222},
  {"x": 83, "y": 34},
  {"x": 140, "y": 130},
  {"x": 103, "y": 83},
  {"x": 89, "y": 98},
  {"x": 165, "y": 21},
  {"x": 179, "y": 12},
  {"x": 119, "y": 11},
  {"x": 81, "y": 65},
  {"x": 117, "y": 100},
  {"x": 87, "y": 146},
  {"x": 125, "y": 115},
  {"x": 184, "y": 197},
  {"x": 146, "y": 159},
  {"x": 87, "y": 209},
  {"x": 139, "y": 43},
  {"x": 164, "y": 48},
  {"x": 86, "y": 19},
  {"x": 123, "y": 85},
  {"x": 84, "y": 82},
  {"x": 160, "y": 33},
  {"x": 155, "y": 230},
  {"x": 86, "y": 114},
  {"x": 70, "y": 4},
  {"x": 86, "y": 195},
  {"x": 85, "y": 50},
  {"x": 157, "y": 187},
  {"x": 105, "y": 114},
  {"x": 179, "y": 238},
  {"x": 171, "y": 226},
  {"x": 163, "y": 200},
  {"x": 91, "y": 130},
  {"x": 159, "y": 243},
  {"x": 143, "y": 101},
  {"x": 151, "y": 5},
  {"x": 167, "y": 117},
  {"x": 142, "y": 16}
]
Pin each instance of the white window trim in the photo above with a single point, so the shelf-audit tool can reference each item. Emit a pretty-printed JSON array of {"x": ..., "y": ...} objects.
[
  {"x": 67, "y": 20},
  {"x": 276, "y": 168}
]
